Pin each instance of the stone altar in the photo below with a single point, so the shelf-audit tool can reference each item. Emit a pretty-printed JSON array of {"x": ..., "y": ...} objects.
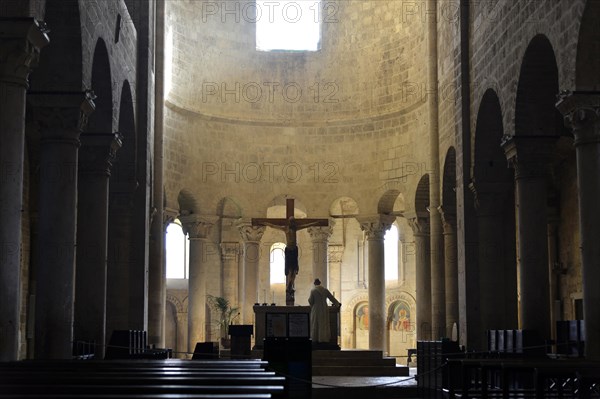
[{"x": 260, "y": 319}]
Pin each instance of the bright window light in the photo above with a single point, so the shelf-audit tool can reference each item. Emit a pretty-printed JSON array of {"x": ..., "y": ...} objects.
[
  {"x": 177, "y": 251},
  {"x": 390, "y": 245},
  {"x": 277, "y": 263},
  {"x": 288, "y": 25}
]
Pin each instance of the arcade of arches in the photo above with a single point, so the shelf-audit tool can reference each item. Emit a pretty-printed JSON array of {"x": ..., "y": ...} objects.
[{"x": 472, "y": 127}]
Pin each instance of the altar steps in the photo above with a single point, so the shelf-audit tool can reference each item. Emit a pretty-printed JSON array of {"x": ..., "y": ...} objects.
[{"x": 364, "y": 363}]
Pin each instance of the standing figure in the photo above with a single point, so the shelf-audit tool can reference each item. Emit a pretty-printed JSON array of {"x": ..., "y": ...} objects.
[{"x": 319, "y": 312}]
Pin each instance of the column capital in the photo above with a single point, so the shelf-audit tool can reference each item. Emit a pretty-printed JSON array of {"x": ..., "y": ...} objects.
[
  {"x": 169, "y": 216},
  {"x": 448, "y": 219},
  {"x": 230, "y": 250},
  {"x": 320, "y": 233},
  {"x": 530, "y": 156},
  {"x": 418, "y": 222},
  {"x": 375, "y": 226},
  {"x": 198, "y": 226},
  {"x": 489, "y": 197},
  {"x": 248, "y": 232},
  {"x": 335, "y": 253},
  {"x": 62, "y": 116},
  {"x": 21, "y": 40},
  {"x": 98, "y": 152},
  {"x": 581, "y": 111}
]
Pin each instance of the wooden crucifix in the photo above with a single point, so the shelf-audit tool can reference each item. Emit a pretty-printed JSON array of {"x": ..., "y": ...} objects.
[{"x": 290, "y": 226}]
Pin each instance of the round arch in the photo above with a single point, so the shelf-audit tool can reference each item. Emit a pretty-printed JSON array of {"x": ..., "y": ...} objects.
[
  {"x": 391, "y": 202},
  {"x": 422, "y": 196},
  {"x": 588, "y": 49},
  {"x": 535, "y": 111},
  {"x": 101, "y": 120},
  {"x": 493, "y": 187},
  {"x": 61, "y": 63}
]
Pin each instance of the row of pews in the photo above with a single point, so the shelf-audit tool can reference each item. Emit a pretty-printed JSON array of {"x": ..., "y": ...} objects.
[
  {"x": 517, "y": 364},
  {"x": 522, "y": 378},
  {"x": 148, "y": 379}
]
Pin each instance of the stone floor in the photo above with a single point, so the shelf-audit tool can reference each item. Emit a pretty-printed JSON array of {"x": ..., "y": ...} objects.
[{"x": 332, "y": 387}]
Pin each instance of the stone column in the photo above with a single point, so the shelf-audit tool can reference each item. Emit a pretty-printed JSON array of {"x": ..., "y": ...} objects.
[
  {"x": 438, "y": 284},
  {"x": 319, "y": 237},
  {"x": 451, "y": 268},
  {"x": 157, "y": 280},
  {"x": 61, "y": 118},
  {"x": 530, "y": 157},
  {"x": 20, "y": 42},
  {"x": 251, "y": 235},
  {"x": 496, "y": 296},
  {"x": 335, "y": 270},
  {"x": 582, "y": 115},
  {"x": 375, "y": 228},
  {"x": 230, "y": 258},
  {"x": 199, "y": 228},
  {"x": 438, "y": 297},
  {"x": 420, "y": 227},
  {"x": 96, "y": 158}
]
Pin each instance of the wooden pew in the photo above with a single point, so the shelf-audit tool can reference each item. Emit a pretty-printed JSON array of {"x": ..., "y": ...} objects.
[{"x": 137, "y": 379}]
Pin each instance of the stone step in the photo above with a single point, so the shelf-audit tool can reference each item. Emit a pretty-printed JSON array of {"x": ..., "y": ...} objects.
[
  {"x": 368, "y": 361},
  {"x": 347, "y": 354},
  {"x": 365, "y": 371}
]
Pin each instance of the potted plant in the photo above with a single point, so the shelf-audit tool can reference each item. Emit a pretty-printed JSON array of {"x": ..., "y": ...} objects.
[{"x": 227, "y": 316}]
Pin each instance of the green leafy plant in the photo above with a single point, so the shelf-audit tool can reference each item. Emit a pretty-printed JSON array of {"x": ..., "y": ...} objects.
[{"x": 227, "y": 313}]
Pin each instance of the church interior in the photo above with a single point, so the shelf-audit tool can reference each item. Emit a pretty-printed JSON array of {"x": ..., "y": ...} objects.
[{"x": 450, "y": 149}]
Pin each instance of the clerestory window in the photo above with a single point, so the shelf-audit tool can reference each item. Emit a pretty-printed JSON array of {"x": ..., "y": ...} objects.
[{"x": 288, "y": 25}]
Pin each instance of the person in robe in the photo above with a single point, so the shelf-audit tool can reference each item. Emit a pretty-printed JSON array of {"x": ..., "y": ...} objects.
[{"x": 319, "y": 312}]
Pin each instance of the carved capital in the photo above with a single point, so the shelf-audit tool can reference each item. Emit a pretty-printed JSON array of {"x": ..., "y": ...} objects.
[
  {"x": 21, "y": 40},
  {"x": 230, "y": 250},
  {"x": 581, "y": 111},
  {"x": 169, "y": 216},
  {"x": 336, "y": 252},
  {"x": 448, "y": 220},
  {"x": 62, "y": 116},
  {"x": 198, "y": 226},
  {"x": 376, "y": 226},
  {"x": 418, "y": 223},
  {"x": 98, "y": 152},
  {"x": 530, "y": 156},
  {"x": 489, "y": 197},
  {"x": 320, "y": 233},
  {"x": 248, "y": 232}
]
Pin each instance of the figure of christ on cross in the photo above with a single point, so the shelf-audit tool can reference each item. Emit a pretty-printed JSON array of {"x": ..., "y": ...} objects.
[{"x": 290, "y": 226}]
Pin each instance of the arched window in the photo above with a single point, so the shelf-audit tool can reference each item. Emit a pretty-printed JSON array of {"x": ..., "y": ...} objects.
[
  {"x": 177, "y": 251},
  {"x": 288, "y": 25},
  {"x": 277, "y": 259},
  {"x": 390, "y": 244}
]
